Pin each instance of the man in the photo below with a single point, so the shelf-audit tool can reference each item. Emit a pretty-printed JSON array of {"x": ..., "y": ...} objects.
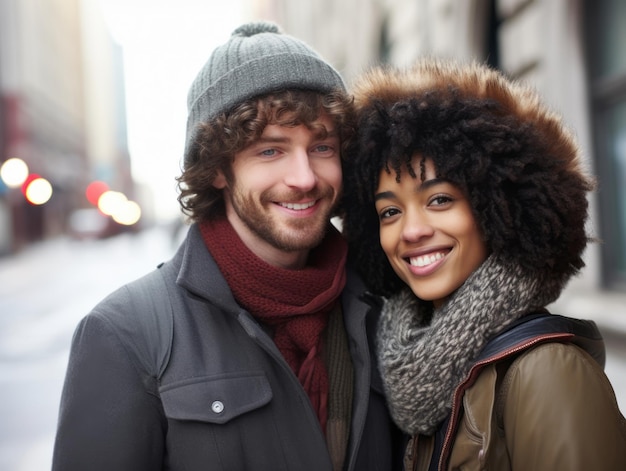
[{"x": 249, "y": 349}]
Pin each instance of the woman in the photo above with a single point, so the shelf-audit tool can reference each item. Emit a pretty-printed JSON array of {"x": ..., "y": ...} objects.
[{"x": 466, "y": 209}]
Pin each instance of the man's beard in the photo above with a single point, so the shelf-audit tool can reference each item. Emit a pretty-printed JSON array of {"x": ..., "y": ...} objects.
[{"x": 289, "y": 235}]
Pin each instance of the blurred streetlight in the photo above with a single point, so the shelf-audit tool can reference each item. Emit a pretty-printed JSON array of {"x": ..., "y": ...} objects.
[
  {"x": 38, "y": 191},
  {"x": 95, "y": 190},
  {"x": 14, "y": 172},
  {"x": 127, "y": 214},
  {"x": 110, "y": 202}
]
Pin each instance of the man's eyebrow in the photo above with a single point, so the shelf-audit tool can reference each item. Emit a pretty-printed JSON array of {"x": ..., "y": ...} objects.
[
  {"x": 321, "y": 134},
  {"x": 270, "y": 139},
  {"x": 325, "y": 134}
]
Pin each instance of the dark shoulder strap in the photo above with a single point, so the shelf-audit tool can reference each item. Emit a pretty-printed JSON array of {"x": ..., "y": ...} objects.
[{"x": 583, "y": 333}]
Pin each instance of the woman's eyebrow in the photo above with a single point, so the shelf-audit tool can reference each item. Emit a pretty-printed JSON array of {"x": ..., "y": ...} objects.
[
  {"x": 425, "y": 185},
  {"x": 383, "y": 195}
]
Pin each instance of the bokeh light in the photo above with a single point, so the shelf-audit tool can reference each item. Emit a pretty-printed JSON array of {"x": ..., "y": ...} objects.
[
  {"x": 128, "y": 214},
  {"x": 27, "y": 181},
  {"x": 110, "y": 202},
  {"x": 14, "y": 172},
  {"x": 38, "y": 191},
  {"x": 95, "y": 190}
]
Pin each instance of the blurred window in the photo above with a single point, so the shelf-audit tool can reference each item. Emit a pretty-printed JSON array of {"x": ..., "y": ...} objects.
[{"x": 605, "y": 39}]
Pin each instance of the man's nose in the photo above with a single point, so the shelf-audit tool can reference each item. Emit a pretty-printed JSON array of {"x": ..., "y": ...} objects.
[{"x": 300, "y": 174}]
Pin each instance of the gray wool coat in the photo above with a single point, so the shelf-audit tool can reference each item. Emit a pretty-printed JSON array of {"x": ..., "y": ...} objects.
[{"x": 197, "y": 384}]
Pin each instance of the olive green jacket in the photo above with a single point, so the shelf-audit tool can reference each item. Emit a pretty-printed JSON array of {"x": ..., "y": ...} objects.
[{"x": 514, "y": 412}]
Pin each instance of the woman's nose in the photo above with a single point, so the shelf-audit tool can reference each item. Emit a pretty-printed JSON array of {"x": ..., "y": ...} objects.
[{"x": 415, "y": 227}]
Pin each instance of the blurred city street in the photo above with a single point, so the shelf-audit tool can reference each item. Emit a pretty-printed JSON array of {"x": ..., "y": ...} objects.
[{"x": 45, "y": 291}]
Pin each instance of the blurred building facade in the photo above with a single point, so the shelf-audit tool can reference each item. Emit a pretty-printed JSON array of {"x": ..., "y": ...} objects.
[
  {"x": 570, "y": 50},
  {"x": 61, "y": 111}
]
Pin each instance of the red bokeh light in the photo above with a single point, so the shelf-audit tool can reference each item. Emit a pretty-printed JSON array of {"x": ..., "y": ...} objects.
[
  {"x": 28, "y": 181},
  {"x": 94, "y": 191}
]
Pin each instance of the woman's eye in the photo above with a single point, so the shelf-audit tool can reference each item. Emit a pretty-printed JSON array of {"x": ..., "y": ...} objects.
[
  {"x": 387, "y": 213},
  {"x": 440, "y": 200}
]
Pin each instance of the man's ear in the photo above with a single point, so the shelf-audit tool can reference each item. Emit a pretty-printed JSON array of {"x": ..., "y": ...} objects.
[{"x": 220, "y": 181}]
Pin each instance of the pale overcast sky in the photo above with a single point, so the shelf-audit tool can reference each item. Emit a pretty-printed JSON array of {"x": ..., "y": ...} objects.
[{"x": 165, "y": 44}]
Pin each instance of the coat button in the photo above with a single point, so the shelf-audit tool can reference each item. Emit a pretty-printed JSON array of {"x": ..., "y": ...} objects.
[{"x": 217, "y": 407}]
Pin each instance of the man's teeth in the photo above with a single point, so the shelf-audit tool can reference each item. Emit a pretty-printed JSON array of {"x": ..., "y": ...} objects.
[
  {"x": 424, "y": 260},
  {"x": 298, "y": 206}
]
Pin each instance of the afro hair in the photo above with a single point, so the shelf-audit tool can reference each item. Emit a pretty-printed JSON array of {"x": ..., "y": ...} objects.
[{"x": 494, "y": 138}]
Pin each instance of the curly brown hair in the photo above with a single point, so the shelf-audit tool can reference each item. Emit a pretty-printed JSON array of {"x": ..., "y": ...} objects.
[
  {"x": 494, "y": 139},
  {"x": 219, "y": 140}
]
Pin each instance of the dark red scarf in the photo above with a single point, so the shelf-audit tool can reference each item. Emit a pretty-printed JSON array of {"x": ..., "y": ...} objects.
[{"x": 294, "y": 303}]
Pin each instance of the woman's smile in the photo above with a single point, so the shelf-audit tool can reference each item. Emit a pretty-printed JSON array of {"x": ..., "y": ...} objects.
[{"x": 428, "y": 232}]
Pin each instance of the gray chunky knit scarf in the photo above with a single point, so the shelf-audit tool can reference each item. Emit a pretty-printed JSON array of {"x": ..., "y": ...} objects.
[{"x": 425, "y": 354}]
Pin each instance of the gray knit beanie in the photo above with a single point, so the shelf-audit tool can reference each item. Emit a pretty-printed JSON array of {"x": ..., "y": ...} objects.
[{"x": 257, "y": 59}]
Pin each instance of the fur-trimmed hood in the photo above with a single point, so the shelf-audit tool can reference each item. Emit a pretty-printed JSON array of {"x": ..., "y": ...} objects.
[
  {"x": 387, "y": 86},
  {"x": 518, "y": 163}
]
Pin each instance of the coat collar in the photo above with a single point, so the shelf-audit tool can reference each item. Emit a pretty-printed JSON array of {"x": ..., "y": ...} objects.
[{"x": 200, "y": 275}]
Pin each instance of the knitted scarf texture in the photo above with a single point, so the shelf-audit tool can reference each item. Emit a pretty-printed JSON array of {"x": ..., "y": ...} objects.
[
  {"x": 424, "y": 354},
  {"x": 295, "y": 304}
]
